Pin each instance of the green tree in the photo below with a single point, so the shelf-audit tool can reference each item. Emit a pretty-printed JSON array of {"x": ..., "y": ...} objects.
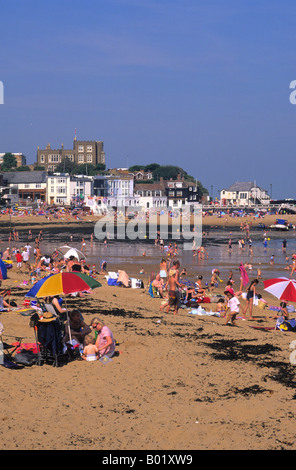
[
  {"x": 66, "y": 166},
  {"x": 167, "y": 172},
  {"x": 39, "y": 168},
  {"x": 24, "y": 168},
  {"x": 151, "y": 167},
  {"x": 136, "y": 168},
  {"x": 9, "y": 161}
]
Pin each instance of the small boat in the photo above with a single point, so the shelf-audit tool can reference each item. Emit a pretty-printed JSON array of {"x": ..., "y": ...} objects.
[
  {"x": 280, "y": 224},
  {"x": 279, "y": 227}
]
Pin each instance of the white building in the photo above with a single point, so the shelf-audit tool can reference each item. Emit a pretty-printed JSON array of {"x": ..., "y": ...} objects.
[
  {"x": 58, "y": 189},
  {"x": 81, "y": 188},
  {"x": 244, "y": 194},
  {"x": 151, "y": 196}
]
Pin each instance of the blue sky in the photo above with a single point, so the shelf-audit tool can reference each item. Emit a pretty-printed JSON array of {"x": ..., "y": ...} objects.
[{"x": 199, "y": 84}]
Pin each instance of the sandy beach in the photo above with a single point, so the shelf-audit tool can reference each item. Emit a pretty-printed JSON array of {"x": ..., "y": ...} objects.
[{"x": 177, "y": 382}]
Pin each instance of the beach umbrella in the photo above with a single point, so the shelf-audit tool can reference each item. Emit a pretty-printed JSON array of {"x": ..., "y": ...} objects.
[
  {"x": 3, "y": 270},
  {"x": 62, "y": 284},
  {"x": 68, "y": 251},
  {"x": 281, "y": 287}
]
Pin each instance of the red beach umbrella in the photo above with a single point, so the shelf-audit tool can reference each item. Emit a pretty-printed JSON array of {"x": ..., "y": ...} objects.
[{"x": 281, "y": 287}]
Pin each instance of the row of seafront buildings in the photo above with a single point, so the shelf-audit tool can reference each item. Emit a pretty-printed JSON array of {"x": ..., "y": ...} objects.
[
  {"x": 100, "y": 193},
  {"x": 118, "y": 188}
]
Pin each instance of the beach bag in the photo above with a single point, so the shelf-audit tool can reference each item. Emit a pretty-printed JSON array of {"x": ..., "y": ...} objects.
[
  {"x": 26, "y": 358},
  {"x": 286, "y": 325},
  {"x": 113, "y": 282},
  {"x": 262, "y": 304}
]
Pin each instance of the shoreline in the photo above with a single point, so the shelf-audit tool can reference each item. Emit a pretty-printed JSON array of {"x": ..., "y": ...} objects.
[{"x": 208, "y": 222}]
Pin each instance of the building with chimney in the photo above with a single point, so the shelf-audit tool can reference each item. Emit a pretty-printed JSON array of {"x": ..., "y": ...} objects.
[{"x": 84, "y": 151}]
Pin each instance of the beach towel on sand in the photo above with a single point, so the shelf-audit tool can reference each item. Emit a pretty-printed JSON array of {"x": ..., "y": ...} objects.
[{"x": 244, "y": 274}]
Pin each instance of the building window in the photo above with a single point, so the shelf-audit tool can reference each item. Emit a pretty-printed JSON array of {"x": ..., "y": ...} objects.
[
  {"x": 54, "y": 158},
  {"x": 42, "y": 158},
  {"x": 38, "y": 186},
  {"x": 89, "y": 148},
  {"x": 81, "y": 157},
  {"x": 89, "y": 158},
  {"x": 80, "y": 148}
]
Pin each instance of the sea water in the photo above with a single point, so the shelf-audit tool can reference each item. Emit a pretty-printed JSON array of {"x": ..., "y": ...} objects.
[{"x": 135, "y": 256}]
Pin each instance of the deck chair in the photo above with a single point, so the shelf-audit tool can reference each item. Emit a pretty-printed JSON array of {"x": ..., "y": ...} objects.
[{"x": 9, "y": 349}]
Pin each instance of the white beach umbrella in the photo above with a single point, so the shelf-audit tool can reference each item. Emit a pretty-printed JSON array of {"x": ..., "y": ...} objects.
[{"x": 68, "y": 251}]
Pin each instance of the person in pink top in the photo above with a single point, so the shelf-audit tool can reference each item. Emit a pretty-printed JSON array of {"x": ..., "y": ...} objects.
[{"x": 105, "y": 342}]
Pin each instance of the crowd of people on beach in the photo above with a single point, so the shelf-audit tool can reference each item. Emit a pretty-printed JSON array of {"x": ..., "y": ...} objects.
[{"x": 170, "y": 283}]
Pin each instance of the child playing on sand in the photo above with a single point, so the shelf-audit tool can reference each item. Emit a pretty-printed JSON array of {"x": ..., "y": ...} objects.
[
  {"x": 233, "y": 307},
  {"x": 90, "y": 350},
  {"x": 221, "y": 308}
]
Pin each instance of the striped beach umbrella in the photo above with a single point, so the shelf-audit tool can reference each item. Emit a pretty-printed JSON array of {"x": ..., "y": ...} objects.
[
  {"x": 68, "y": 251},
  {"x": 281, "y": 287},
  {"x": 62, "y": 284}
]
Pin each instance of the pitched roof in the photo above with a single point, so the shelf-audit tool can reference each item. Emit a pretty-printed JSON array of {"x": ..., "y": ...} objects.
[
  {"x": 25, "y": 177},
  {"x": 241, "y": 186},
  {"x": 149, "y": 187}
]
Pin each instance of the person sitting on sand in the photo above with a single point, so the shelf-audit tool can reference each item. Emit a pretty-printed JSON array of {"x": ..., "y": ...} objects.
[
  {"x": 78, "y": 328},
  {"x": 283, "y": 312},
  {"x": 105, "y": 342},
  {"x": 90, "y": 350},
  {"x": 54, "y": 301},
  {"x": 158, "y": 283},
  {"x": 221, "y": 307}
]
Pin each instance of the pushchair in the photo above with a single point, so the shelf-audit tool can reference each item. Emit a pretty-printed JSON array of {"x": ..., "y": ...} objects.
[{"x": 49, "y": 338}]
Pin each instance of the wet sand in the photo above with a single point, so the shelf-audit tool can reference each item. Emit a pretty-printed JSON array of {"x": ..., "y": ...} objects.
[{"x": 180, "y": 382}]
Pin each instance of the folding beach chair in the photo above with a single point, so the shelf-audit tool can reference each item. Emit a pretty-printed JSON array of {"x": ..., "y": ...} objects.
[{"x": 9, "y": 349}]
